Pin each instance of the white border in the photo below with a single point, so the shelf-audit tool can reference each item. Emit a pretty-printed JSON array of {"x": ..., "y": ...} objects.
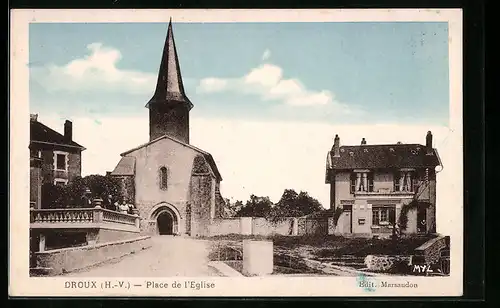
[
  {"x": 20, "y": 284},
  {"x": 66, "y": 160}
]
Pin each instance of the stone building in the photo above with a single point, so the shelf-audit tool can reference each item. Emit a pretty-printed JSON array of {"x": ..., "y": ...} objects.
[
  {"x": 174, "y": 185},
  {"x": 374, "y": 184},
  {"x": 54, "y": 158}
]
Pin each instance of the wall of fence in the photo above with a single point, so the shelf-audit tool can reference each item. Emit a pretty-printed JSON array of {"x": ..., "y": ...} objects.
[
  {"x": 225, "y": 226},
  {"x": 262, "y": 226}
]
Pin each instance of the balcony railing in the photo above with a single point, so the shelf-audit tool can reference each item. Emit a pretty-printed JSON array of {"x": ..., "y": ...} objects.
[
  {"x": 420, "y": 191},
  {"x": 80, "y": 218}
]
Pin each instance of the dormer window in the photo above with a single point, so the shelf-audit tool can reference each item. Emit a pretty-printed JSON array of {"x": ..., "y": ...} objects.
[
  {"x": 163, "y": 178},
  {"x": 60, "y": 161}
]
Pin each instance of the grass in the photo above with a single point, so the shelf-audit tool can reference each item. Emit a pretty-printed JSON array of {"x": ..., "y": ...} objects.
[
  {"x": 277, "y": 270},
  {"x": 326, "y": 246}
]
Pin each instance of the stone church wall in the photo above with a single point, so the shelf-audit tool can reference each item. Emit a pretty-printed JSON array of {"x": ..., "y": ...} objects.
[{"x": 202, "y": 201}]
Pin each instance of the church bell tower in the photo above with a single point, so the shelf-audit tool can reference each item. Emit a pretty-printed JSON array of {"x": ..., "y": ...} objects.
[{"x": 169, "y": 107}]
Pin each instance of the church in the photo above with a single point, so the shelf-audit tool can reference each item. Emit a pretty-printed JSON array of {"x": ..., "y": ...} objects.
[{"x": 173, "y": 184}]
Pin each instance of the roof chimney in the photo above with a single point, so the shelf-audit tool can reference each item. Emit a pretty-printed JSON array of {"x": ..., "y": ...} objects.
[
  {"x": 33, "y": 117},
  {"x": 428, "y": 143},
  {"x": 336, "y": 146},
  {"x": 363, "y": 141},
  {"x": 68, "y": 130}
]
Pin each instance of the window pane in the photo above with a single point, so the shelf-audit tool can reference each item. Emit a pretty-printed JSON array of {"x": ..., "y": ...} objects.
[
  {"x": 163, "y": 178},
  {"x": 383, "y": 215},
  {"x": 375, "y": 217},
  {"x": 61, "y": 161},
  {"x": 392, "y": 216}
]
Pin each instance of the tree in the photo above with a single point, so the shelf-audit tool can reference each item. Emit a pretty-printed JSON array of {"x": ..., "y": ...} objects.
[
  {"x": 53, "y": 197},
  {"x": 232, "y": 208},
  {"x": 102, "y": 187},
  {"x": 255, "y": 207},
  {"x": 72, "y": 195},
  {"x": 292, "y": 204}
]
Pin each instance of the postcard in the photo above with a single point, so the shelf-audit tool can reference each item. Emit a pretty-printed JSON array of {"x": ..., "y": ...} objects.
[{"x": 236, "y": 153}]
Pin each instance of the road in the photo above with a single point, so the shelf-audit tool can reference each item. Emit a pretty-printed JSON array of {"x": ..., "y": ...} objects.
[{"x": 169, "y": 256}]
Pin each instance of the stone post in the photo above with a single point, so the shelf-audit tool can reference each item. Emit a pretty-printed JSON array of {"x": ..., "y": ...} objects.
[
  {"x": 97, "y": 217},
  {"x": 295, "y": 228},
  {"x": 246, "y": 225},
  {"x": 92, "y": 237},
  {"x": 137, "y": 221},
  {"x": 402, "y": 181},
  {"x": 258, "y": 257}
]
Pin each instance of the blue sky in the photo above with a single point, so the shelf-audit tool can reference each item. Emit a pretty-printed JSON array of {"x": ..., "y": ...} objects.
[{"x": 335, "y": 73}]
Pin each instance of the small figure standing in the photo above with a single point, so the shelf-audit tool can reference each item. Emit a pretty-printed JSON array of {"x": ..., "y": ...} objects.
[
  {"x": 87, "y": 198},
  {"x": 109, "y": 203},
  {"x": 130, "y": 208},
  {"x": 123, "y": 207}
]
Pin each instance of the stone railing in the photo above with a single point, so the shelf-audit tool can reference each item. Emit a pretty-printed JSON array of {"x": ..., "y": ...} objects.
[
  {"x": 81, "y": 218},
  {"x": 385, "y": 193},
  {"x": 116, "y": 217},
  {"x": 62, "y": 215}
]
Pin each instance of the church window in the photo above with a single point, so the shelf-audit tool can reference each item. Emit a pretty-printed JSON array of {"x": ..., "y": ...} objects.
[{"x": 163, "y": 178}]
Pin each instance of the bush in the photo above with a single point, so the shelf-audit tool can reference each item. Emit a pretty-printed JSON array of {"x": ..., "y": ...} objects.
[
  {"x": 388, "y": 264},
  {"x": 53, "y": 196},
  {"x": 71, "y": 195}
]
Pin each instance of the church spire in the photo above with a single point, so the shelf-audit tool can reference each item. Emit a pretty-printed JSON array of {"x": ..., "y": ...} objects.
[
  {"x": 169, "y": 107},
  {"x": 169, "y": 87}
]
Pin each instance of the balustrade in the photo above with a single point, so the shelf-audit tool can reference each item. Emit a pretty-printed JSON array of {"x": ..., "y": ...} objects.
[
  {"x": 85, "y": 215},
  {"x": 62, "y": 215},
  {"x": 116, "y": 217}
]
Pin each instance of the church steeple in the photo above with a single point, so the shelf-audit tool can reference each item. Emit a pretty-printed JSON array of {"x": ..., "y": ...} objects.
[{"x": 169, "y": 107}]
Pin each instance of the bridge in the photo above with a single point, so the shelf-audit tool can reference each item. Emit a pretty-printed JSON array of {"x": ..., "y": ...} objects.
[
  {"x": 102, "y": 243},
  {"x": 168, "y": 256}
]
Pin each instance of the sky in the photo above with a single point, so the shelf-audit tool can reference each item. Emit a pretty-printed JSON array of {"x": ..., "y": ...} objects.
[{"x": 268, "y": 97}]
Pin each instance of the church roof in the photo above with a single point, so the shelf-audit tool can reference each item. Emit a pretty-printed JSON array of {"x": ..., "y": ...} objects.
[
  {"x": 207, "y": 155},
  {"x": 126, "y": 166},
  {"x": 169, "y": 87},
  {"x": 383, "y": 156}
]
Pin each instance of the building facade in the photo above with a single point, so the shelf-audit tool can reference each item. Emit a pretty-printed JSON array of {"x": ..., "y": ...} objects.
[
  {"x": 374, "y": 185},
  {"x": 54, "y": 158},
  {"x": 173, "y": 184}
]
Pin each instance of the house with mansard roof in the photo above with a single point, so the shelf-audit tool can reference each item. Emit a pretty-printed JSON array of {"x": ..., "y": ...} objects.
[
  {"x": 374, "y": 184},
  {"x": 54, "y": 157}
]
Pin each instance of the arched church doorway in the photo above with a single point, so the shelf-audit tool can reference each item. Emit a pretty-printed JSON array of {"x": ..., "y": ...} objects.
[
  {"x": 166, "y": 218},
  {"x": 165, "y": 222}
]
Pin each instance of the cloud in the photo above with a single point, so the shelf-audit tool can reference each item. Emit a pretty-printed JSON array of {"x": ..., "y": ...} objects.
[
  {"x": 262, "y": 158},
  {"x": 96, "y": 71},
  {"x": 266, "y": 55},
  {"x": 212, "y": 85},
  {"x": 268, "y": 82}
]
